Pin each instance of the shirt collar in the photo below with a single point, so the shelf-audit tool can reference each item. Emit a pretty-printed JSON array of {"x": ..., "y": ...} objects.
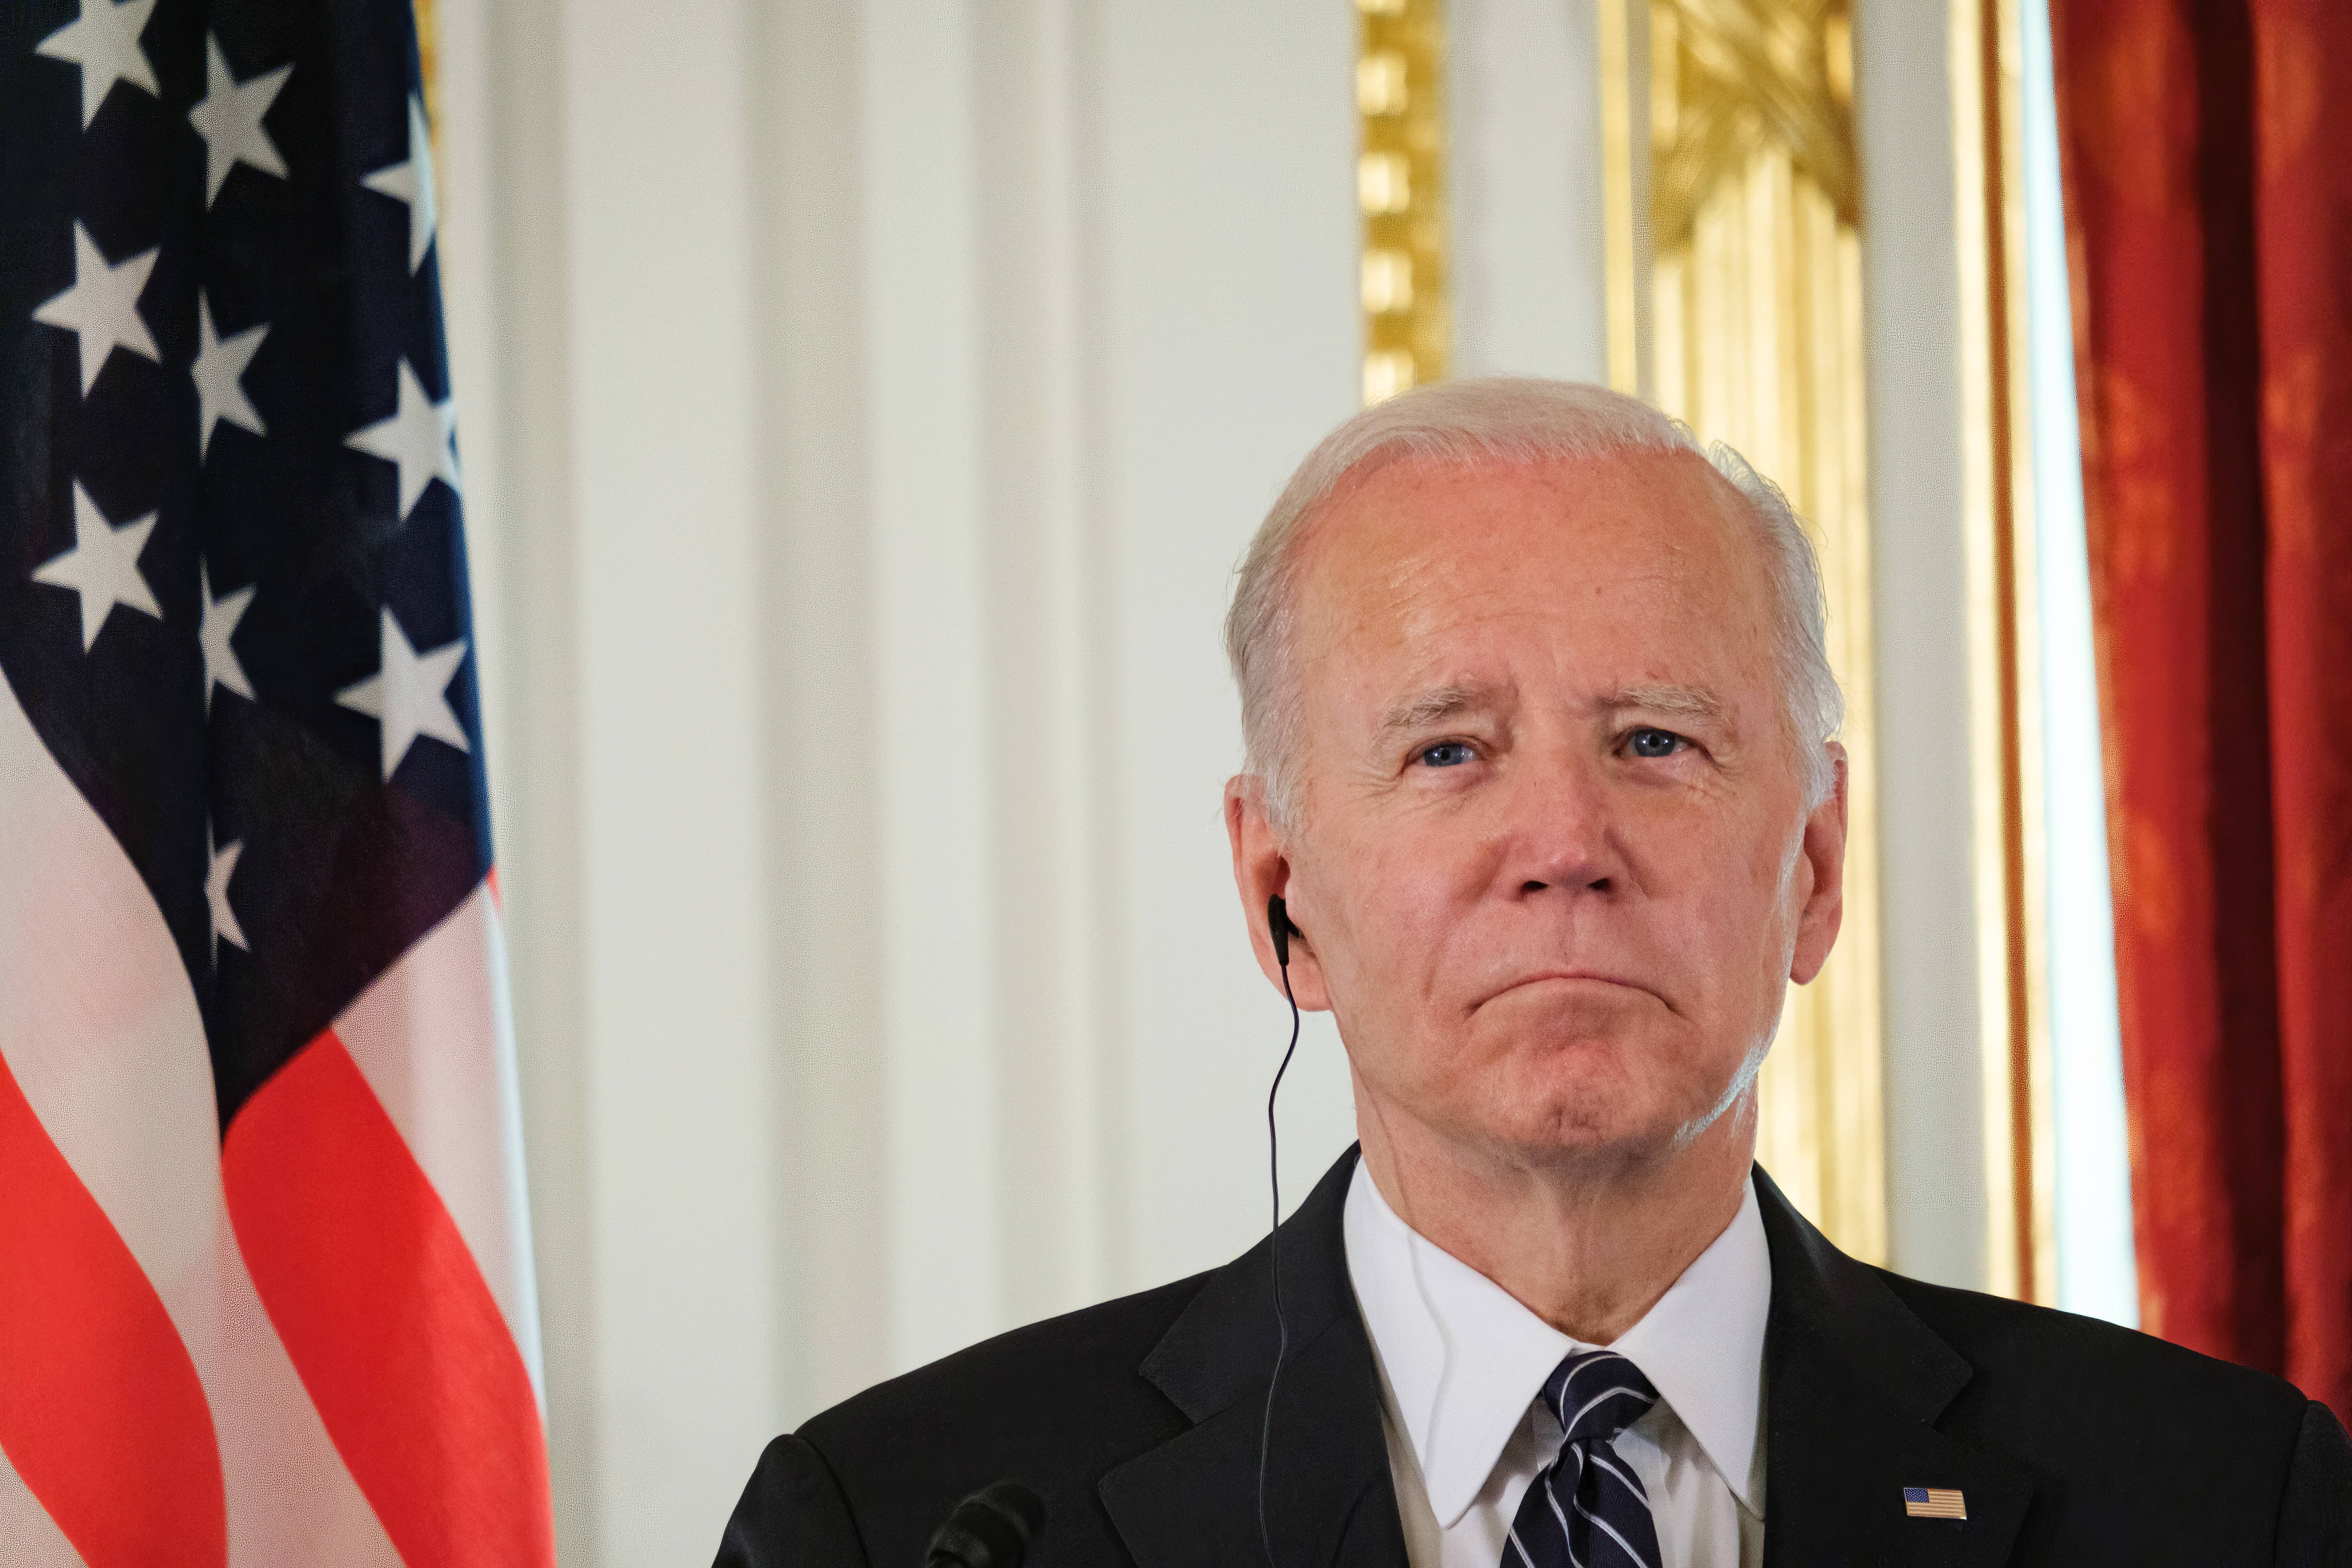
[{"x": 1465, "y": 1360}]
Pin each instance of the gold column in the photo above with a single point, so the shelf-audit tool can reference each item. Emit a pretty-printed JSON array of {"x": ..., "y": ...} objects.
[
  {"x": 1735, "y": 251},
  {"x": 427, "y": 52},
  {"x": 2004, "y": 653},
  {"x": 1400, "y": 186},
  {"x": 428, "y": 60}
]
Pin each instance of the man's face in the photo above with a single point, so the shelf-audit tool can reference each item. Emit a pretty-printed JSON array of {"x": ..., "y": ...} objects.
[{"x": 1556, "y": 862}]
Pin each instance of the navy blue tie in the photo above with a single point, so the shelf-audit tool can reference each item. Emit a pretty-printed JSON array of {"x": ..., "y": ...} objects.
[{"x": 1587, "y": 1508}]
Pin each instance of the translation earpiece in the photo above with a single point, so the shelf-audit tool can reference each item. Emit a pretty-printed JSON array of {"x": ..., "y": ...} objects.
[{"x": 1279, "y": 926}]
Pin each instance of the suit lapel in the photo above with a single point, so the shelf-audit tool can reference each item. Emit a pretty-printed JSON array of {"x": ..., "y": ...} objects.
[
  {"x": 1193, "y": 1500},
  {"x": 1855, "y": 1383}
]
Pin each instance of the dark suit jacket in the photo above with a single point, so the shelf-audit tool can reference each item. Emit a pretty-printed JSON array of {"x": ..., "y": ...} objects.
[{"x": 1137, "y": 1422}]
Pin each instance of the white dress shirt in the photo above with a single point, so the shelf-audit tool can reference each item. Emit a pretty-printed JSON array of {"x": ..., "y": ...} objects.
[{"x": 1462, "y": 1364}]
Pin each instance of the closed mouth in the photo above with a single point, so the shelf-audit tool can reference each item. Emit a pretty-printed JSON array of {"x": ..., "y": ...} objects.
[{"x": 1571, "y": 975}]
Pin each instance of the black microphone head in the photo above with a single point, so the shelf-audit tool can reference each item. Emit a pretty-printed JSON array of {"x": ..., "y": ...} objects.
[
  {"x": 1278, "y": 925},
  {"x": 990, "y": 1528}
]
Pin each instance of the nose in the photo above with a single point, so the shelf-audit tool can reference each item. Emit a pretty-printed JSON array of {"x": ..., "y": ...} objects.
[{"x": 1559, "y": 834}]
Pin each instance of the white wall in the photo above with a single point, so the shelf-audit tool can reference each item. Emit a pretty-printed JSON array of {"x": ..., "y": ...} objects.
[
  {"x": 864, "y": 407},
  {"x": 1530, "y": 280},
  {"x": 1935, "y": 1131}
]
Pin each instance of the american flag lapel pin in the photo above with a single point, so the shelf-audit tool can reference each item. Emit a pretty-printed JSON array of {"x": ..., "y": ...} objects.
[{"x": 1933, "y": 1502}]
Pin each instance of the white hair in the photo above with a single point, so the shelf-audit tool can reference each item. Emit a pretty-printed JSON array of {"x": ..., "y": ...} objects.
[{"x": 1506, "y": 419}]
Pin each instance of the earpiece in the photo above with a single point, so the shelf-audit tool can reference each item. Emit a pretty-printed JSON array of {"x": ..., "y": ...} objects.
[{"x": 1278, "y": 927}]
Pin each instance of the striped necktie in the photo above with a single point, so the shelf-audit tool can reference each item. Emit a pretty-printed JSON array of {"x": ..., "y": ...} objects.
[{"x": 1587, "y": 1508}]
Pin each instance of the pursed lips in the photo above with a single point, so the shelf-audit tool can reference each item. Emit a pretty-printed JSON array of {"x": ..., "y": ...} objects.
[{"x": 1548, "y": 976}]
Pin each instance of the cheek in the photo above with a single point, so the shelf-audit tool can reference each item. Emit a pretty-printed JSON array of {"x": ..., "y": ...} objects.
[
  {"x": 1752, "y": 882},
  {"x": 1399, "y": 901},
  {"x": 1732, "y": 920}
]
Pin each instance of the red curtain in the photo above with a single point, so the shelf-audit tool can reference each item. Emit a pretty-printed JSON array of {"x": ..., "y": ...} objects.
[{"x": 2207, "y": 152}]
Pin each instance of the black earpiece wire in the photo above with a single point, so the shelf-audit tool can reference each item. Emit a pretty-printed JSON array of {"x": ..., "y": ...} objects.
[{"x": 1278, "y": 927}]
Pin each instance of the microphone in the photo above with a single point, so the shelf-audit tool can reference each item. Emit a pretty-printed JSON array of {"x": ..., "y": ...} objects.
[{"x": 990, "y": 1528}]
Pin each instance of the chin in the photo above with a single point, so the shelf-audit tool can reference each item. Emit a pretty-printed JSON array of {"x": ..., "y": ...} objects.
[
  {"x": 1584, "y": 1100},
  {"x": 1570, "y": 1072}
]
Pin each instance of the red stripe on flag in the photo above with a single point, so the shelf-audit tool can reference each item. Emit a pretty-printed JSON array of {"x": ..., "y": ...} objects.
[
  {"x": 386, "y": 1318},
  {"x": 100, "y": 1409}
]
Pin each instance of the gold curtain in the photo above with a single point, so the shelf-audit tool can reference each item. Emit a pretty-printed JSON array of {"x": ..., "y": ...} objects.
[{"x": 1736, "y": 305}]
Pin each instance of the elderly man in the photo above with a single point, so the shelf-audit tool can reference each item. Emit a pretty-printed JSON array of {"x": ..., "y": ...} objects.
[{"x": 1544, "y": 803}]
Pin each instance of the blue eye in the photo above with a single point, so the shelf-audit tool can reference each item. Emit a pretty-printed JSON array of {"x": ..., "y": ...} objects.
[
  {"x": 1447, "y": 754},
  {"x": 1648, "y": 742}
]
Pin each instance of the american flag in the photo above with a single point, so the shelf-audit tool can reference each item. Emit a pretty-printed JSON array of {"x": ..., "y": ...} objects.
[
  {"x": 264, "y": 1281},
  {"x": 1933, "y": 1502}
]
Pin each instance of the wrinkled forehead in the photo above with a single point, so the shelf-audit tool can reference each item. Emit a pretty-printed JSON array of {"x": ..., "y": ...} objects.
[{"x": 1421, "y": 549}]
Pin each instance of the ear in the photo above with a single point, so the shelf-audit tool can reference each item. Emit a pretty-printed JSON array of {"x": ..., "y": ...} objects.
[
  {"x": 1262, "y": 871},
  {"x": 1823, "y": 909}
]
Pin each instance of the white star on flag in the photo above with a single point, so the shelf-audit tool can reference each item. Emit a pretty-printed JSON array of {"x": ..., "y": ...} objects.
[
  {"x": 221, "y": 667},
  {"x": 416, "y": 438},
  {"x": 220, "y": 868},
  {"x": 101, "y": 308},
  {"x": 412, "y": 182},
  {"x": 229, "y": 120},
  {"x": 220, "y": 367},
  {"x": 103, "y": 566},
  {"x": 409, "y": 694},
  {"x": 103, "y": 40}
]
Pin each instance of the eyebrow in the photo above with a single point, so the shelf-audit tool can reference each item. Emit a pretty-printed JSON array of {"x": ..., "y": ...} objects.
[
  {"x": 1440, "y": 703},
  {"x": 1426, "y": 708},
  {"x": 1683, "y": 702}
]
